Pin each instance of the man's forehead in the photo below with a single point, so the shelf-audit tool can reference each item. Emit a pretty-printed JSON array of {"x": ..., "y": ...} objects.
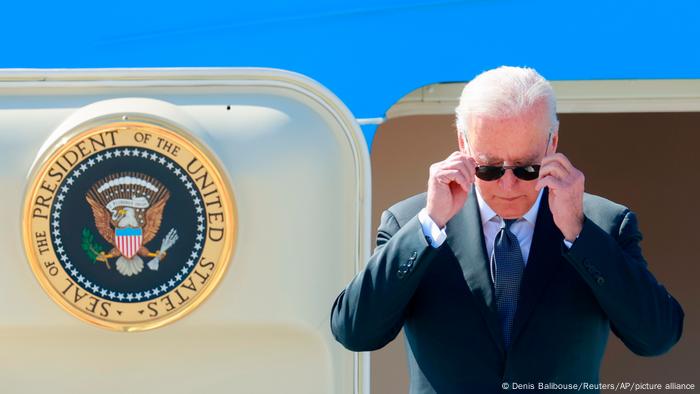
[
  {"x": 497, "y": 158},
  {"x": 516, "y": 145}
]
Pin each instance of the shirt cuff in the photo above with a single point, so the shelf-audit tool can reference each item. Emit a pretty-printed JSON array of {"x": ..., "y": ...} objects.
[{"x": 435, "y": 235}]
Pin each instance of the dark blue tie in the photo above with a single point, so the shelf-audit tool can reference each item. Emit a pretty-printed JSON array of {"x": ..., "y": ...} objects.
[{"x": 509, "y": 267}]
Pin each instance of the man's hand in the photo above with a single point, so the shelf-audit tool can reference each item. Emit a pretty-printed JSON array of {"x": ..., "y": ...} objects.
[
  {"x": 566, "y": 185},
  {"x": 448, "y": 186}
]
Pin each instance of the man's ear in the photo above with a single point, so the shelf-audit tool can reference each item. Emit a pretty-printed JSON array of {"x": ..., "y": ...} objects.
[
  {"x": 461, "y": 142},
  {"x": 555, "y": 141}
]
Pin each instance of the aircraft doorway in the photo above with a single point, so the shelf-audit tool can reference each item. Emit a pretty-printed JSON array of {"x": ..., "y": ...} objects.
[{"x": 636, "y": 142}]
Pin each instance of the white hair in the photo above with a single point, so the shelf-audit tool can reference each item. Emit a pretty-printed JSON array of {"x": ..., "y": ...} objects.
[{"x": 505, "y": 92}]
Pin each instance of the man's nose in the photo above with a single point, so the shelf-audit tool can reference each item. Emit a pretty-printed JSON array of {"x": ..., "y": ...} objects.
[{"x": 507, "y": 181}]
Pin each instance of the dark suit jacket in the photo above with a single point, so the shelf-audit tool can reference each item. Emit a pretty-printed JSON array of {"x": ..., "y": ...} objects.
[{"x": 445, "y": 301}]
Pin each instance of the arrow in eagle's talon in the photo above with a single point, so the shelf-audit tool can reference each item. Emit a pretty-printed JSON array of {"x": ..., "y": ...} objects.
[{"x": 153, "y": 264}]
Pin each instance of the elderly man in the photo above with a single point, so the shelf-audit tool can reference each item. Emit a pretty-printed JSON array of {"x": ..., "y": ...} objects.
[{"x": 505, "y": 272}]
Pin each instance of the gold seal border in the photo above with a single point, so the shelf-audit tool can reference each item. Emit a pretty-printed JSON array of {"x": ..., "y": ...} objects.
[{"x": 185, "y": 139}]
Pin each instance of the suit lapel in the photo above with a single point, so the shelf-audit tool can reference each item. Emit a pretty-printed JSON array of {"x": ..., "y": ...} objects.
[
  {"x": 465, "y": 238},
  {"x": 545, "y": 254}
]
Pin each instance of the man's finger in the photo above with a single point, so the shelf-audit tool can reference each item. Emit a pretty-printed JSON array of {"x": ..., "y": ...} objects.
[
  {"x": 448, "y": 176},
  {"x": 550, "y": 182},
  {"x": 459, "y": 165},
  {"x": 462, "y": 170},
  {"x": 470, "y": 163},
  {"x": 559, "y": 158},
  {"x": 554, "y": 168},
  {"x": 453, "y": 155}
]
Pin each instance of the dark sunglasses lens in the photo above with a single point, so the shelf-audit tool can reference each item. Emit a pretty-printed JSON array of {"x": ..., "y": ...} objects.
[
  {"x": 527, "y": 173},
  {"x": 489, "y": 173}
]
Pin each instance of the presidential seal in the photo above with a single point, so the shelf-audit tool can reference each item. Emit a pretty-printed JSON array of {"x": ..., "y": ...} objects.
[{"x": 128, "y": 225}]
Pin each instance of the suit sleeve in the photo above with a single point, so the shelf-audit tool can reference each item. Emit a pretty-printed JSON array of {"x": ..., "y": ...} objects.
[
  {"x": 370, "y": 311},
  {"x": 647, "y": 319}
]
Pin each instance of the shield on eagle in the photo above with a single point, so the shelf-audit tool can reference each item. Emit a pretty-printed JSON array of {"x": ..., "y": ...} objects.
[{"x": 128, "y": 240}]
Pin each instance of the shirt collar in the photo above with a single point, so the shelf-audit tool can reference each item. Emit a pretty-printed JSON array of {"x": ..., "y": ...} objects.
[{"x": 487, "y": 214}]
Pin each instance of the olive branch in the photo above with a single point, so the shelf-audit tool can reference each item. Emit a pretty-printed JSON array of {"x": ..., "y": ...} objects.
[{"x": 90, "y": 247}]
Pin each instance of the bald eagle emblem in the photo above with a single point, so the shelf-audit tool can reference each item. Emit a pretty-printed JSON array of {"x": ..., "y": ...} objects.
[{"x": 128, "y": 210}]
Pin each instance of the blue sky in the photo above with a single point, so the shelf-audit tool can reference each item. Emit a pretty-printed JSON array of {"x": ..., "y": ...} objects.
[{"x": 369, "y": 53}]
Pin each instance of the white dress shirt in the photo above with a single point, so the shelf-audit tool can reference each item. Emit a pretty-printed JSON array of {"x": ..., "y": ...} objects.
[
  {"x": 491, "y": 224},
  {"x": 524, "y": 228}
]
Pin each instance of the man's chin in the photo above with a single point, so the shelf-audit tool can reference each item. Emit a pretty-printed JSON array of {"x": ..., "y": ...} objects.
[{"x": 508, "y": 211}]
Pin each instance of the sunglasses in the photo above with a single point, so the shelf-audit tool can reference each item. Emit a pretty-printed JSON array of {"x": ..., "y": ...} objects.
[
  {"x": 528, "y": 172},
  {"x": 491, "y": 173}
]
